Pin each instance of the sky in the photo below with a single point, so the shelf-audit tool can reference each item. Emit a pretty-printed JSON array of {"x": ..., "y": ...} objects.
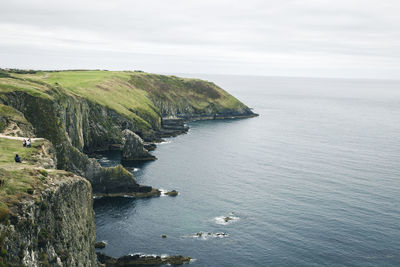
[{"x": 309, "y": 38}]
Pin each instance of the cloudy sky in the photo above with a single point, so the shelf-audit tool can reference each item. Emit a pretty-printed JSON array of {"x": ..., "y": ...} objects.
[{"x": 314, "y": 38}]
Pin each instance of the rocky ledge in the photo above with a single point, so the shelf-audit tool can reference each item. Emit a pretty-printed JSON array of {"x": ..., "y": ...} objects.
[
  {"x": 140, "y": 260},
  {"x": 145, "y": 194}
]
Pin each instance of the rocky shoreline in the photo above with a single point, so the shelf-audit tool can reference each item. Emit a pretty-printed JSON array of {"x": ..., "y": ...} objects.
[
  {"x": 141, "y": 260},
  {"x": 131, "y": 113}
]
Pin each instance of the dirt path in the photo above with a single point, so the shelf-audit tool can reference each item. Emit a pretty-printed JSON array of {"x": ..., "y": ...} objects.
[{"x": 20, "y": 138}]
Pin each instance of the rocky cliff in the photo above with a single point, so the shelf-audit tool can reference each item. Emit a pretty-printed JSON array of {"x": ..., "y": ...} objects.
[
  {"x": 86, "y": 111},
  {"x": 57, "y": 229},
  {"x": 46, "y": 215}
]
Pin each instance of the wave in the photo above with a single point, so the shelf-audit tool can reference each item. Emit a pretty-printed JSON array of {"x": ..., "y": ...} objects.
[
  {"x": 163, "y": 191},
  {"x": 225, "y": 220},
  {"x": 208, "y": 235}
]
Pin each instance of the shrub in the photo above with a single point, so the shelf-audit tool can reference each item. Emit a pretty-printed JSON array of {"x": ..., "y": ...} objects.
[
  {"x": 4, "y": 213},
  {"x": 43, "y": 172}
]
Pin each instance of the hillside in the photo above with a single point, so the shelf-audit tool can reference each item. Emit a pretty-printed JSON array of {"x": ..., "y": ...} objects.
[
  {"x": 142, "y": 97},
  {"x": 46, "y": 215},
  {"x": 81, "y": 112}
]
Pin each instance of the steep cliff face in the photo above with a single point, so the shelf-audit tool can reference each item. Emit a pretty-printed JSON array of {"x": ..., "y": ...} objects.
[
  {"x": 46, "y": 215},
  {"x": 75, "y": 125},
  {"x": 13, "y": 122},
  {"x": 86, "y": 111},
  {"x": 57, "y": 229},
  {"x": 189, "y": 99}
]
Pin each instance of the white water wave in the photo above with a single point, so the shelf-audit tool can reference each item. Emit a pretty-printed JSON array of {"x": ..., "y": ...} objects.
[{"x": 225, "y": 220}]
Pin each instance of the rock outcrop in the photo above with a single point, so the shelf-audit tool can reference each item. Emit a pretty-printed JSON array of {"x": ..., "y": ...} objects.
[
  {"x": 50, "y": 221},
  {"x": 65, "y": 122},
  {"x": 133, "y": 147},
  {"x": 141, "y": 260},
  {"x": 13, "y": 123},
  {"x": 126, "y": 108},
  {"x": 55, "y": 230}
]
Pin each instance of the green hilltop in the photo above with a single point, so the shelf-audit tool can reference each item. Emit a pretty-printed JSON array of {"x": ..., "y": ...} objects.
[{"x": 143, "y": 97}]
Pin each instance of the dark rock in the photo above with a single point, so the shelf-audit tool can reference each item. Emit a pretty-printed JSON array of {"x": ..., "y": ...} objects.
[
  {"x": 172, "y": 193},
  {"x": 164, "y": 236},
  {"x": 100, "y": 244},
  {"x": 172, "y": 127},
  {"x": 133, "y": 147},
  {"x": 140, "y": 260},
  {"x": 150, "y": 146},
  {"x": 227, "y": 219}
]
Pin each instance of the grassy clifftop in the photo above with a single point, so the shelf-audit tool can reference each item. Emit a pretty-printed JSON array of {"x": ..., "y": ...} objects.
[
  {"x": 142, "y": 97},
  {"x": 20, "y": 180}
]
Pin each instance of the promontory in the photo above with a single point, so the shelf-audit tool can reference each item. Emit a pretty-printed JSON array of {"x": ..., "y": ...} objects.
[{"x": 46, "y": 213}]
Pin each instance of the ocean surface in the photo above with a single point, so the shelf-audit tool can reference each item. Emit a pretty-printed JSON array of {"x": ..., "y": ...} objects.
[{"x": 313, "y": 181}]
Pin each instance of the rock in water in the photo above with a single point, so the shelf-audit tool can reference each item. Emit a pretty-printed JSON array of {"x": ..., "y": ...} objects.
[
  {"x": 140, "y": 260},
  {"x": 227, "y": 219},
  {"x": 100, "y": 244},
  {"x": 172, "y": 193},
  {"x": 133, "y": 147}
]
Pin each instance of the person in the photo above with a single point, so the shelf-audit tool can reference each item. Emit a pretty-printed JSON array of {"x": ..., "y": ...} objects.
[
  {"x": 17, "y": 159},
  {"x": 24, "y": 143},
  {"x": 28, "y": 143}
]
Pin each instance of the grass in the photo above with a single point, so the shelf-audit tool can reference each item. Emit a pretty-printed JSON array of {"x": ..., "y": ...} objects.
[
  {"x": 132, "y": 94},
  {"x": 9, "y": 112},
  {"x": 18, "y": 180},
  {"x": 9, "y": 147}
]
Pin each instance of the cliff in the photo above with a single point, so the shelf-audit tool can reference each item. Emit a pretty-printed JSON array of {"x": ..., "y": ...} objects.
[
  {"x": 46, "y": 215},
  {"x": 86, "y": 111}
]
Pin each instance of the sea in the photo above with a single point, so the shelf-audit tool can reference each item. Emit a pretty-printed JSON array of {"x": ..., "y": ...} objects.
[{"x": 313, "y": 181}]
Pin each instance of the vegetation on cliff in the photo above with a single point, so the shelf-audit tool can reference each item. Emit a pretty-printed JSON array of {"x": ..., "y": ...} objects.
[
  {"x": 144, "y": 98},
  {"x": 86, "y": 111},
  {"x": 46, "y": 216},
  {"x": 19, "y": 181}
]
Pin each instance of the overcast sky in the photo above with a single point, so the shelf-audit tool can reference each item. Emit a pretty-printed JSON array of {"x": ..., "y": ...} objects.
[{"x": 315, "y": 38}]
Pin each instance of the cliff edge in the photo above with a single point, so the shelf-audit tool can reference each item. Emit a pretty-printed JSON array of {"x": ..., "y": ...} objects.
[
  {"x": 46, "y": 215},
  {"x": 81, "y": 112}
]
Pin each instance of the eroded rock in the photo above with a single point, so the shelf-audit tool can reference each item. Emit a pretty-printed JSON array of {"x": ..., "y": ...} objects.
[{"x": 133, "y": 147}]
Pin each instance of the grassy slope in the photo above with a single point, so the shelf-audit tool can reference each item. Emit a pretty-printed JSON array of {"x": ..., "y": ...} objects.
[
  {"x": 128, "y": 93},
  {"x": 17, "y": 177}
]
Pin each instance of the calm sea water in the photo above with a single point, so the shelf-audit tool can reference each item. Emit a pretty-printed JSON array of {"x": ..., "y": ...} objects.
[{"x": 313, "y": 181}]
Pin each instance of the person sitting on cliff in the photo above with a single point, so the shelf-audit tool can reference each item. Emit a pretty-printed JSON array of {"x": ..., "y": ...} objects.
[
  {"x": 24, "y": 143},
  {"x": 17, "y": 159},
  {"x": 28, "y": 143}
]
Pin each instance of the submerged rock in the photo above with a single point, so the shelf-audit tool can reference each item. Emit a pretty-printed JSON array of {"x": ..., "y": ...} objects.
[
  {"x": 141, "y": 260},
  {"x": 227, "y": 219}
]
